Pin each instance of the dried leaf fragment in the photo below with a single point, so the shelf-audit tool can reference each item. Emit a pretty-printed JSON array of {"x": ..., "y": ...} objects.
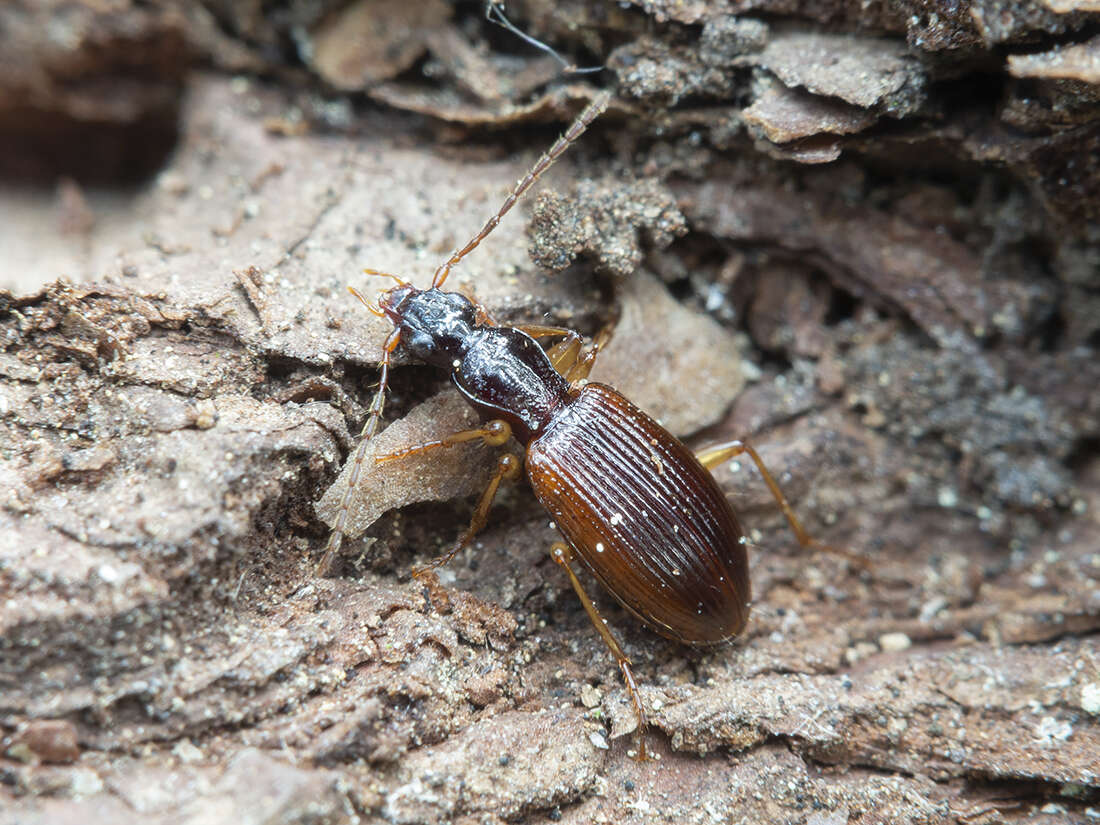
[{"x": 437, "y": 475}]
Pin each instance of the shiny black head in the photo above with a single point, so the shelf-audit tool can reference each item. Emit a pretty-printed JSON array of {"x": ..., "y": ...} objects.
[{"x": 436, "y": 326}]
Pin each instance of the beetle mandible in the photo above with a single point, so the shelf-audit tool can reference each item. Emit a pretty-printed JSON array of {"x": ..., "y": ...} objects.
[{"x": 635, "y": 506}]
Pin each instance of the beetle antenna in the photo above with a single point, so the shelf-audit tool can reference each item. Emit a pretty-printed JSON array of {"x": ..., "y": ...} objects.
[
  {"x": 494, "y": 13},
  {"x": 400, "y": 281},
  {"x": 374, "y": 418},
  {"x": 583, "y": 121}
]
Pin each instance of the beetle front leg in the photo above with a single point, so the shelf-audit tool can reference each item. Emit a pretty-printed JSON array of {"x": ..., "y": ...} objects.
[
  {"x": 568, "y": 356},
  {"x": 563, "y": 355},
  {"x": 508, "y": 466},
  {"x": 563, "y": 555},
  {"x": 544, "y": 331}
]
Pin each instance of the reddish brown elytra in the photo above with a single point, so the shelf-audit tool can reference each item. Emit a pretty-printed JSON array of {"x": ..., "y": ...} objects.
[{"x": 636, "y": 508}]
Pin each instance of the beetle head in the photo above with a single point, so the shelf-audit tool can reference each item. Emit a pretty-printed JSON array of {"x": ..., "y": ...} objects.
[{"x": 435, "y": 325}]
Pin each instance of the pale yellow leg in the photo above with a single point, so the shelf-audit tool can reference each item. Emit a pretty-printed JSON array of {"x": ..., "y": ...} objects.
[
  {"x": 563, "y": 355},
  {"x": 711, "y": 457},
  {"x": 509, "y": 467},
  {"x": 587, "y": 359},
  {"x": 563, "y": 555},
  {"x": 543, "y": 331},
  {"x": 495, "y": 433},
  {"x": 568, "y": 356}
]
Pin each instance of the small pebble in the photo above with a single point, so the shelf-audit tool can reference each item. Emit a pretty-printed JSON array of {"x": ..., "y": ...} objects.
[
  {"x": 186, "y": 752},
  {"x": 206, "y": 414},
  {"x": 894, "y": 642},
  {"x": 590, "y": 696},
  {"x": 1090, "y": 698}
]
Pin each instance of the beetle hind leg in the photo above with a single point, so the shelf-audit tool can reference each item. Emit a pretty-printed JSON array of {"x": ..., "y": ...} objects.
[{"x": 563, "y": 555}]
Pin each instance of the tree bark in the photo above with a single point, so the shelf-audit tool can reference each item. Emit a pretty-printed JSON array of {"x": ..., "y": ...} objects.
[{"x": 864, "y": 236}]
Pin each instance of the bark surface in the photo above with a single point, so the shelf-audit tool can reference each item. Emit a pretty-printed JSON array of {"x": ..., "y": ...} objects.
[{"x": 864, "y": 235}]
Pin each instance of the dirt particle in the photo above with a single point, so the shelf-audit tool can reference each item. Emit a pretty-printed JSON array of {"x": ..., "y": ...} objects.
[
  {"x": 1090, "y": 698},
  {"x": 894, "y": 642},
  {"x": 46, "y": 740}
]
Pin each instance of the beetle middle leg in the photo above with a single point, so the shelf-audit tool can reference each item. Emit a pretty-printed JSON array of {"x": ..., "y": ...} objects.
[
  {"x": 563, "y": 555},
  {"x": 721, "y": 453},
  {"x": 508, "y": 466},
  {"x": 495, "y": 433}
]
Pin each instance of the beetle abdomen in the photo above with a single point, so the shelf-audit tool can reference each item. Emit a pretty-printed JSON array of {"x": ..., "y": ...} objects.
[{"x": 644, "y": 516}]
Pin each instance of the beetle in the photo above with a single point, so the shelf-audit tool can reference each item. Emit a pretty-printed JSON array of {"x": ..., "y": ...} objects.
[{"x": 635, "y": 506}]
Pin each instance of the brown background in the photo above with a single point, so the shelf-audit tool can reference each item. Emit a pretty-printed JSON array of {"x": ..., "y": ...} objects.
[{"x": 864, "y": 234}]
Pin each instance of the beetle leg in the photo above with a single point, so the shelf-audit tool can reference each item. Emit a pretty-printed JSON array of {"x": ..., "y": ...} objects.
[
  {"x": 542, "y": 331},
  {"x": 508, "y": 466},
  {"x": 587, "y": 359},
  {"x": 562, "y": 554},
  {"x": 568, "y": 356},
  {"x": 482, "y": 315},
  {"x": 495, "y": 433},
  {"x": 563, "y": 355},
  {"x": 377, "y": 273},
  {"x": 720, "y": 453},
  {"x": 374, "y": 416}
]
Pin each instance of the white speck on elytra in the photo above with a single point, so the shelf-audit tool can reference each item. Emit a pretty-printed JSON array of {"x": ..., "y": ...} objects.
[{"x": 599, "y": 547}]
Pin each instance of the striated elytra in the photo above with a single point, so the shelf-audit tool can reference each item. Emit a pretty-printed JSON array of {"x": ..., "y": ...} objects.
[{"x": 643, "y": 515}]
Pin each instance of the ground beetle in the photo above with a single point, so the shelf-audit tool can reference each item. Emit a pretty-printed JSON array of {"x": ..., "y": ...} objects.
[{"x": 636, "y": 507}]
